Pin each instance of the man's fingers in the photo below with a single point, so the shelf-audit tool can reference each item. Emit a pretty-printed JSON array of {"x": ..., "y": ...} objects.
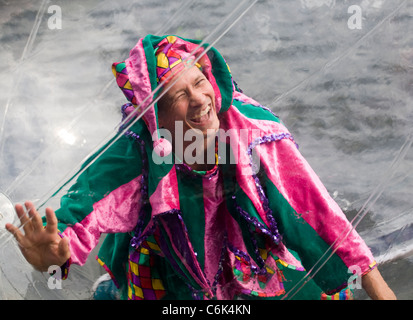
[
  {"x": 18, "y": 235},
  {"x": 36, "y": 220},
  {"x": 21, "y": 214},
  {"x": 64, "y": 250},
  {"x": 26, "y": 216},
  {"x": 51, "y": 221}
]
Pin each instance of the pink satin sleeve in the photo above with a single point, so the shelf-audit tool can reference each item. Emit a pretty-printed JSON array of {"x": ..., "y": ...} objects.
[
  {"x": 302, "y": 188},
  {"x": 115, "y": 213}
]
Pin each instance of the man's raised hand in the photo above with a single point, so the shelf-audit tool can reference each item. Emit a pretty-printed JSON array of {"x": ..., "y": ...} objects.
[{"x": 41, "y": 246}]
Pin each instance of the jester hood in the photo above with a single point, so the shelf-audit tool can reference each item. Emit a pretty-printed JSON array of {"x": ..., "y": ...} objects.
[{"x": 250, "y": 227}]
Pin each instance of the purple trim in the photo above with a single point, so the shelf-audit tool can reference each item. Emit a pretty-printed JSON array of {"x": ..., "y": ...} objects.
[
  {"x": 220, "y": 264},
  {"x": 180, "y": 239},
  {"x": 140, "y": 237},
  {"x": 256, "y": 223},
  {"x": 123, "y": 109},
  {"x": 258, "y": 141},
  {"x": 260, "y": 270}
]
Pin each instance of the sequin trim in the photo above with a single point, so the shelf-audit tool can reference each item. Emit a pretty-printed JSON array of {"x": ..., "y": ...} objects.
[{"x": 264, "y": 200}]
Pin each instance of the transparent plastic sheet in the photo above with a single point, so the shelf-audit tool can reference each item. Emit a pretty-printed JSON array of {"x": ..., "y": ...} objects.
[{"x": 338, "y": 112}]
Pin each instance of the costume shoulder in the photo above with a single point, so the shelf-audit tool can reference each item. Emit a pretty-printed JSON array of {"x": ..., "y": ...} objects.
[{"x": 246, "y": 114}]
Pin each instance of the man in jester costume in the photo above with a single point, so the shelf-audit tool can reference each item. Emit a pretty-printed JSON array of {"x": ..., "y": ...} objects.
[{"x": 205, "y": 196}]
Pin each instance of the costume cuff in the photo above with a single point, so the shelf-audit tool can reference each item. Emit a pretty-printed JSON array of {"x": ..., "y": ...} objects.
[
  {"x": 66, "y": 266},
  {"x": 372, "y": 266}
]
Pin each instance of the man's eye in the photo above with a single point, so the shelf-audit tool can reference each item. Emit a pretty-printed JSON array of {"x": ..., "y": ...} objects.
[{"x": 180, "y": 96}]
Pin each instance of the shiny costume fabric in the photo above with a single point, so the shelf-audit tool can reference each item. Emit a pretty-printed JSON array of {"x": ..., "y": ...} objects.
[{"x": 175, "y": 233}]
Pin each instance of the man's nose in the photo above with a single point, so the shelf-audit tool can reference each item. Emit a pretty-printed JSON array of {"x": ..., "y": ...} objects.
[{"x": 197, "y": 98}]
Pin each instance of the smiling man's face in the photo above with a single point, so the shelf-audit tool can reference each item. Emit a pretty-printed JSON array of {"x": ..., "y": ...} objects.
[{"x": 191, "y": 100}]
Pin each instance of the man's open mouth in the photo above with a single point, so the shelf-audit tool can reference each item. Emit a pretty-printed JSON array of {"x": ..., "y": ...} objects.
[{"x": 202, "y": 116}]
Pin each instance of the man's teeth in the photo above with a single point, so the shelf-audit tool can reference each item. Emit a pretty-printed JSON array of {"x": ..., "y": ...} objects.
[{"x": 203, "y": 113}]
